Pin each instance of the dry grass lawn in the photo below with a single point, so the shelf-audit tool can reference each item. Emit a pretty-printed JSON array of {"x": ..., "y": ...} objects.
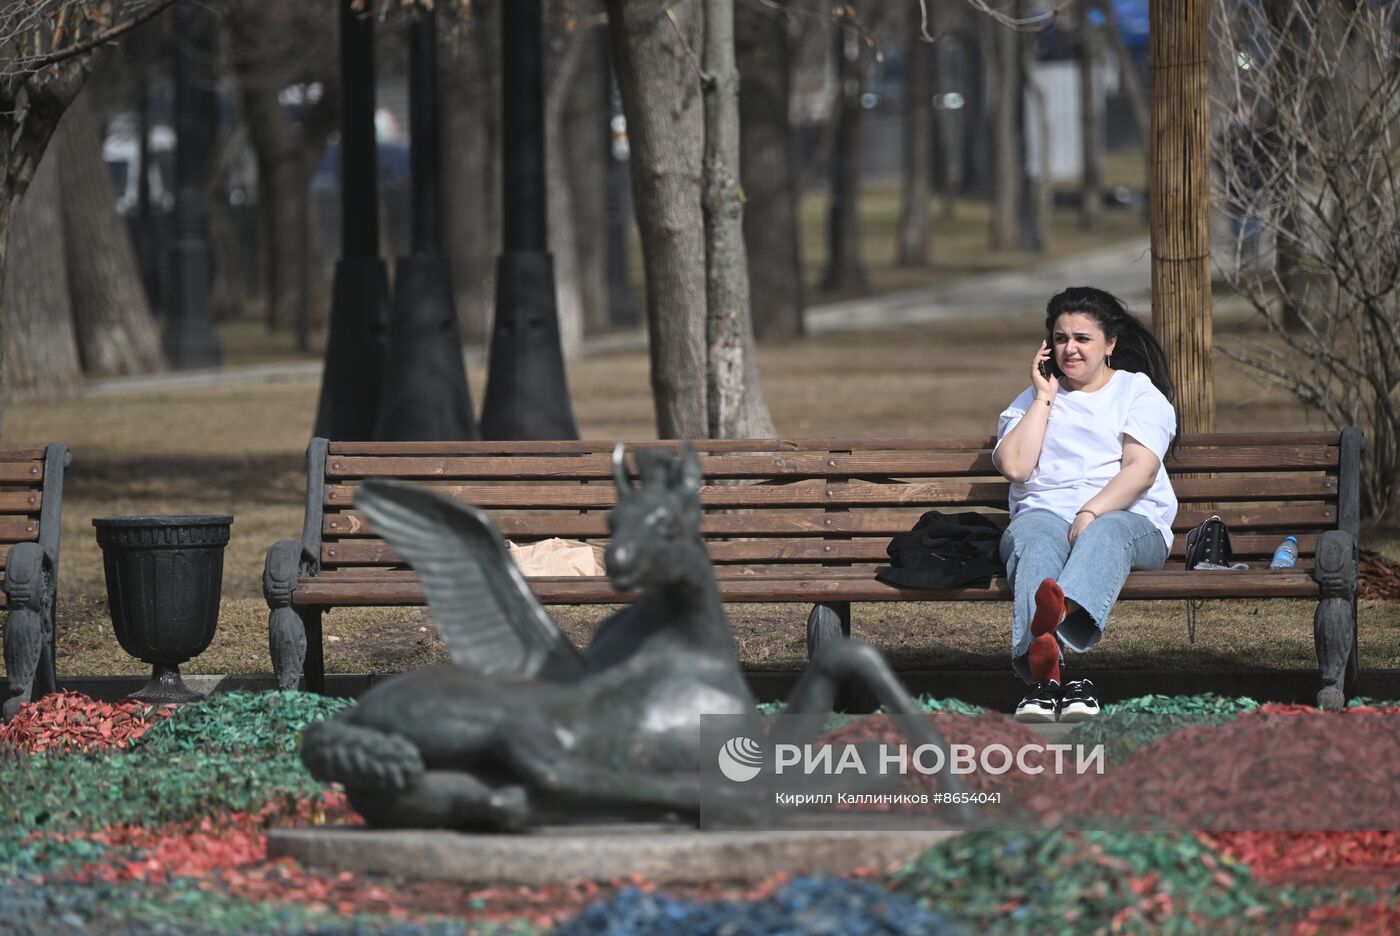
[{"x": 239, "y": 451}]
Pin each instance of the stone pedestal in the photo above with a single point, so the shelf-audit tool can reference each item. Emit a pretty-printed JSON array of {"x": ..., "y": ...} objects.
[{"x": 659, "y": 853}]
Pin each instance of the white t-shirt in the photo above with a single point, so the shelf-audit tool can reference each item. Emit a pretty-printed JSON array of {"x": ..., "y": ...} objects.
[{"x": 1083, "y": 447}]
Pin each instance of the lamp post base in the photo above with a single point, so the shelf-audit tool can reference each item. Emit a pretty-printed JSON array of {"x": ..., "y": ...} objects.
[{"x": 527, "y": 393}]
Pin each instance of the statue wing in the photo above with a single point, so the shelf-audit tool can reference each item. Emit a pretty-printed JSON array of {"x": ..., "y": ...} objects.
[{"x": 488, "y": 617}]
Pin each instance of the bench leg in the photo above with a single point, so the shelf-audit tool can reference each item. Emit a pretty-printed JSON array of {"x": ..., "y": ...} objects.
[
  {"x": 287, "y": 626},
  {"x": 1334, "y": 623},
  {"x": 29, "y": 634},
  {"x": 315, "y": 658},
  {"x": 830, "y": 620},
  {"x": 826, "y": 622}
]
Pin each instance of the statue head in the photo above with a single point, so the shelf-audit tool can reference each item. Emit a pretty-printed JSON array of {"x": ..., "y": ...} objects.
[{"x": 655, "y": 519}]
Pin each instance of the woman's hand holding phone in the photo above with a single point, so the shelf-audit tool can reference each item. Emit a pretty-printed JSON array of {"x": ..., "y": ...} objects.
[{"x": 1042, "y": 377}]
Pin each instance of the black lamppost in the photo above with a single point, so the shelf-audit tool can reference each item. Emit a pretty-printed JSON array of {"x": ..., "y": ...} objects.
[
  {"x": 425, "y": 382},
  {"x": 354, "y": 369},
  {"x": 527, "y": 395},
  {"x": 190, "y": 340}
]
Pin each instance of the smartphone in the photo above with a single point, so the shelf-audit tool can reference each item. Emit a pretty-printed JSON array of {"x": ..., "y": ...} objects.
[{"x": 1047, "y": 366}]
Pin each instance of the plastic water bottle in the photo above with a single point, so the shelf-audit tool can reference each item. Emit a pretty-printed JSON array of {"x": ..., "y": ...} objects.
[{"x": 1286, "y": 556}]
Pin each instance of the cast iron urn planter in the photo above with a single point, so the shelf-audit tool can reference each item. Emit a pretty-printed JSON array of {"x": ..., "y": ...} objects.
[{"x": 164, "y": 577}]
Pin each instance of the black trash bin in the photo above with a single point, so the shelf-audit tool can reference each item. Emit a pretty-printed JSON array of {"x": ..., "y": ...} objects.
[{"x": 164, "y": 578}]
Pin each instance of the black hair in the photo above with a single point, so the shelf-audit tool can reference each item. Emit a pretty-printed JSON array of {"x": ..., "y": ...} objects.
[{"x": 1136, "y": 350}]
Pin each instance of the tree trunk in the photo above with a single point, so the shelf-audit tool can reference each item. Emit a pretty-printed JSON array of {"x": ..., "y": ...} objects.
[
  {"x": 1179, "y": 188},
  {"x": 115, "y": 330},
  {"x": 1035, "y": 188},
  {"x": 1091, "y": 130},
  {"x": 561, "y": 69},
  {"x": 587, "y": 146},
  {"x": 469, "y": 73},
  {"x": 768, "y": 169},
  {"x": 281, "y": 190},
  {"x": 228, "y": 253},
  {"x": 911, "y": 246},
  {"x": 40, "y": 353},
  {"x": 736, "y": 408},
  {"x": 979, "y": 78},
  {"x": 1288, "y": 253},
  {"x": 661, "y": 98},
  {"x": 1003, "y": 70},
  {"x": 948, "y": 127},
  {"x": 844, "y": 270}
]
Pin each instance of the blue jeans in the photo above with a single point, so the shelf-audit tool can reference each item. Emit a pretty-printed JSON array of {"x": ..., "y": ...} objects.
[{"x": 1036, "y": 547}]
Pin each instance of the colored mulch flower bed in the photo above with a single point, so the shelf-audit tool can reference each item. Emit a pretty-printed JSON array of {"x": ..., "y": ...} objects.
[{"x": 117, "y": 818}]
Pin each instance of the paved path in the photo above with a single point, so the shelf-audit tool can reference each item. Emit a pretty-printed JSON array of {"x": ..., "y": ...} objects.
[{"x": 1124, "y": 269}]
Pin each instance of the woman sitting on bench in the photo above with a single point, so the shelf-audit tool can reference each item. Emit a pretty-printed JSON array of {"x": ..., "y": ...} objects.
[{"x": 1090, "y": 500}]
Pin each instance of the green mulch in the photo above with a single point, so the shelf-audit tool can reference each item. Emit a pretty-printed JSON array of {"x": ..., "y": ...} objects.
[{"x": 1047, "y": 883}]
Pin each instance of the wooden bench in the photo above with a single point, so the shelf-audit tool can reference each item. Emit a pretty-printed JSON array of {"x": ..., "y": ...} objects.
[
  {"x": 808, "y": 521},
  {"x": 31, "y": 501}
]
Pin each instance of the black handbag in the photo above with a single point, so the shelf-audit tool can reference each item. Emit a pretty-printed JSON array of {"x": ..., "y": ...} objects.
[{"x": 1209, "y": 542}]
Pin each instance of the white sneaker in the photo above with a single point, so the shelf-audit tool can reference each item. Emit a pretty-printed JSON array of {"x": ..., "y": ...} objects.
[
  {"x": 1078, "y": 702},
  {"x": 1040, "y": 704}
]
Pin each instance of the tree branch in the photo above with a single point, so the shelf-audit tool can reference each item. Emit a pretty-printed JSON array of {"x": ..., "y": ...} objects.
[{"x": 30, "y": 66}]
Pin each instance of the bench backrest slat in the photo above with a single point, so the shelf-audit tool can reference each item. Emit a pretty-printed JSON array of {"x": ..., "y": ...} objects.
[
  {"x": 798, "y": 465},
  {"x": 806, "y": 523},
  {"x": 24, "y": 473},
  {"x": 1247, "y": 546},
  {"x": 932, "y": 494},
  {"x": 21, "y": 502},
  {"x": 805, "y": 505},
  {"x": 902, "y": 443}
]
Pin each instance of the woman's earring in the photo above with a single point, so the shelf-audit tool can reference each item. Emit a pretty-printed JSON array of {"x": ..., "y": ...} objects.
[{"x": 1108, "y": 360}]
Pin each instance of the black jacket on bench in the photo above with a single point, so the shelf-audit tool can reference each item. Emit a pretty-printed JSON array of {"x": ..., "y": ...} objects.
[{"x": 942, "y": 551}]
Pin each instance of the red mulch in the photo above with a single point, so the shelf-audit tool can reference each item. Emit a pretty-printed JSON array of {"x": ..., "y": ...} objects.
[
  {"x": 228, "y": 854},
  {"x": 70, "y": 721},
  {"x": 1362, "y": 858},
  {"x": 1381, "y": 918}
]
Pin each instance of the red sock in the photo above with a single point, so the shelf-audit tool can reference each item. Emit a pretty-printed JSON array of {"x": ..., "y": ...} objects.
[
  {"x": 1049, "y": 608},
  {"x": 1044, "y": 658},
  {"x": 1044, "y": 655}
]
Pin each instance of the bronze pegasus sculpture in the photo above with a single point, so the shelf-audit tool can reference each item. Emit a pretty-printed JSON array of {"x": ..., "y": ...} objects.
[{"x": 523, "y": 729}]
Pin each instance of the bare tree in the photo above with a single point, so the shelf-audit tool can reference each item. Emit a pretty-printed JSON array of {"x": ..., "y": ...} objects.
[
  {"x": 911, "y": 248},
  {"x": 844, "y": 267},
  {"x": 566, "y": 38},
  {"x": 469, "y": 69},
  {"x": 654, "y": 43},
  {"x": 585, "y": 134},
  {"x": 114, "y": 329},
  {"x": 1310, "y": 165},
  {"x": 768, "y": 168},
  {"x": 273, "y": 45},
  {"x": 40, "y": 356},
  {"x": 1001, "y": 59},
  {"x": 1091, "y": 129},
  {"x": 46, "y": 52},
  {"x": 736, "y": 408}
]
